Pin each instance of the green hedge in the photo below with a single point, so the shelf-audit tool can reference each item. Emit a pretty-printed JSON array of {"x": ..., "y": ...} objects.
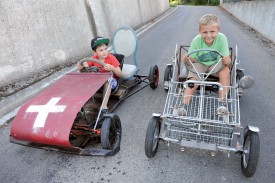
[
  {"x": 173, "y": 3},
  {"x": 205, "y": 2},
  {"x": 195, "y": 2}
]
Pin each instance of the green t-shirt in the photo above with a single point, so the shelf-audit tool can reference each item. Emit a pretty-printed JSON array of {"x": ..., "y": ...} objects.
[{"x": 205, "y": 57}]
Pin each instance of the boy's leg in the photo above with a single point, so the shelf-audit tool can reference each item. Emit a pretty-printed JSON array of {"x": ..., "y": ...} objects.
[
  {"x": 189, "y": 92},
  {"x": 106, "y": 94},
  {"x": 224, "y": 79},
  {"x": 186, "y": 99},
  {"x": 192, "y": 75}
]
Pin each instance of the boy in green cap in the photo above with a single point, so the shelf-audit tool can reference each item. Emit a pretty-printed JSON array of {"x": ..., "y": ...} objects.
[{"x": 99, "y": 46}]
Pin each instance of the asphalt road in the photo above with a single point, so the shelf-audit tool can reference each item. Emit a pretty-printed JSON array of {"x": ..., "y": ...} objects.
[{"x": 156, "y": 46}]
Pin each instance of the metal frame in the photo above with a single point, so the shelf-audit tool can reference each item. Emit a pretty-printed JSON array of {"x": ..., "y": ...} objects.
[{"x": 202, "y": 128}]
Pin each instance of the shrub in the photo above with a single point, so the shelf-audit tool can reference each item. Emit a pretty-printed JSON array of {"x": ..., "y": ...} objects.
[{"x": 205, "y": 2}]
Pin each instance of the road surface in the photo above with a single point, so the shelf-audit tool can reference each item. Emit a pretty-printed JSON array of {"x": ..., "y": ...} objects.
[{"x": 130, "y": 165}]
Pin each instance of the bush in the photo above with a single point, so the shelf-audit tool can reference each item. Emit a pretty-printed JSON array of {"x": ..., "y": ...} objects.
[
  {"x": 173, "y": 3},
  {"x": 215, "y": 2},
  {"x": 205, "y": 2}
]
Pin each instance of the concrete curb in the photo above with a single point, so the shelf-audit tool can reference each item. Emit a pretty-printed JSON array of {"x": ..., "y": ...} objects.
[
  {"x": 11, "y": 104},
  {"x": 19, "y": 98}
]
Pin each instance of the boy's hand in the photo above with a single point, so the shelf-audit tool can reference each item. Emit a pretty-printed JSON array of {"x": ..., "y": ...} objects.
[
  {"x": 85, "y": 64},
  {"x": 109, "y": 67},
  {"x": 226, "y": 61},
  {"x": 79, "y": 66},
  {"x": 184, "y": 58}
]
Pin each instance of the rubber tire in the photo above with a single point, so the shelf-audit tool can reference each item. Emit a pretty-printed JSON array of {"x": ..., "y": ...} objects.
[
  {"x": 154, "y": 76},
  {"x": 151, "y": 141},
  {"x": 249, "y": 166},
  {"x": 239, "y": 74},
  {"x": 111, "y": 133},
  {"x": 168, "y": 74}
]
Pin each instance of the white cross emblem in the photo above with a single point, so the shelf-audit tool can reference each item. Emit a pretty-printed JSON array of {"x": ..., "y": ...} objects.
[{"x": 44, "y": 110}]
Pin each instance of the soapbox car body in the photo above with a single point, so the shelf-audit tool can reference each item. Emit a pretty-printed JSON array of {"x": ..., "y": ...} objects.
[{"x": 66, "y": 115}]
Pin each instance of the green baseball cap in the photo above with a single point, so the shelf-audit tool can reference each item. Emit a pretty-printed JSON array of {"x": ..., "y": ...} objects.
[{"x": 98, "y": 41}]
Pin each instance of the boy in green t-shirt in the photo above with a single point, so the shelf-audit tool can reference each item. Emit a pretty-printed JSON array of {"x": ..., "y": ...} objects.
[{"x": 209, "y": 38}]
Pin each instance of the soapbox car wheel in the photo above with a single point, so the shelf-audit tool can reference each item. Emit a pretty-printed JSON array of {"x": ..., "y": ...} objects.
[
  {"x": 250, "y": 156},
  {"x": 168, "y": 74},
  {"x": 152, "y": 140},
  {"x": 154, "y": 76},
  {"x": 111, "y": 133}
]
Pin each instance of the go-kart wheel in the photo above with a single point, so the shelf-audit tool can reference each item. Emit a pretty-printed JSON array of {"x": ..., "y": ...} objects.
[
  {"x": 167, "y": 77},
  {"x": 111, "y": 133},
  {"x": 250, "y": 156},
  {"x": 154, "y": 76},
  {"x": 152, "y": 140},
  {"x": 239, "y": 74}
]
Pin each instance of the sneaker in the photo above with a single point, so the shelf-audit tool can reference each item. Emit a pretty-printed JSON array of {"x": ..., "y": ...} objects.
[
  {"x": 181, "y": 111},
  {"x": 222, "y": 110},
  {"x": 103, "y": 112}
]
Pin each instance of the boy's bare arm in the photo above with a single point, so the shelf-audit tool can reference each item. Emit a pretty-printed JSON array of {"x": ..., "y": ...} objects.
[
  {"x": 117, "y": 71},
  {"x": 226, "y": 60}
]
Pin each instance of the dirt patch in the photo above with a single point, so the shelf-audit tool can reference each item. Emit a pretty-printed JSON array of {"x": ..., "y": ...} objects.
[
  {"x": 259, "y": 38},
  {"x": 16, "y": 86}
]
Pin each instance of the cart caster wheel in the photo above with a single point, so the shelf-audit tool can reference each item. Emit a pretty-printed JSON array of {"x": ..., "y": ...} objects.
[
  {"x": 167, "y": 77},
  {"x": 250, "y": 156},
  {"x": 111, "y": 133},
  {"x": 151, "y": 140},
  {"x": 154, "y": 76}
]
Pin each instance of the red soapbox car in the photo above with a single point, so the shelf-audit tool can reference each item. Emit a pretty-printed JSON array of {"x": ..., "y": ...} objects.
[{"x": 65, "y": 116}]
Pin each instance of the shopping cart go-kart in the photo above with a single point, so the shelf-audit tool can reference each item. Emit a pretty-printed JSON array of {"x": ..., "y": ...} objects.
[
  {"x": 211, "y": 125},
  {"x": 66, "y": 116}
]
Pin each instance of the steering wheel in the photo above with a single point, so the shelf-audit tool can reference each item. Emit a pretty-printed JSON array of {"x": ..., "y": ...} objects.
[
  {"x": 209, "y": 50},
  {"x": 92, "y": 68}
]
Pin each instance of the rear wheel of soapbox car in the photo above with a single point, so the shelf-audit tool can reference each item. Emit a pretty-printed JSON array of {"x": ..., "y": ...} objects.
[
  {"x": 154, "y": 76},
  {"x": 111, "y": 132},
  {"x": 152, "y": 140},
  {"x": 251, "y": 151}
]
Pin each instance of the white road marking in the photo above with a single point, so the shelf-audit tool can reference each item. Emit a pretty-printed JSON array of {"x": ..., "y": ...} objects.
[{"x": 44, "y": 110}]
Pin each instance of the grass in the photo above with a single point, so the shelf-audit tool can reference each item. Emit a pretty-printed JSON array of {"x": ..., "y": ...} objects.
[{"x": 173, "y": 3}]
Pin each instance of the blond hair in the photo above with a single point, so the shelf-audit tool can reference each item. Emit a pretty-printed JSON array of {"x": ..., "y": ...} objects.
[{"x": 209, "y": 19}]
